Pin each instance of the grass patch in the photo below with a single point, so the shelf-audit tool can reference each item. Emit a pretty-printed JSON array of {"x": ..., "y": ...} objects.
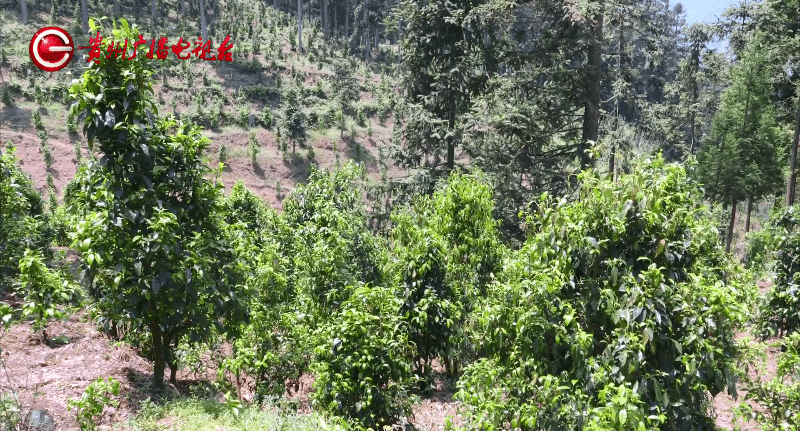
[{"x": 191, "y": 414}]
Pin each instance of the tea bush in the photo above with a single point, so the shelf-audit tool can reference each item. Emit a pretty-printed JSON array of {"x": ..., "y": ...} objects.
[
  {"x": 780, "y": 394},
  {"x": 780, "y": 313},
  {"x": 21, "y": 217},
  {"x": 626, "y": 286},
  {"x": 448, "y": 250},
  {"x": 45, "y": 292},
  {"x": 332, "y": 247},
  {"x": 361, "y": 361}
]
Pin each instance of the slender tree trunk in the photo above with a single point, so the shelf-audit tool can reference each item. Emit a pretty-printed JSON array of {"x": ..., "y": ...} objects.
[
  {"x": 792, "y": 183},
  {"x": 173, "y": 366},
  {"x": 203, "y": 27},
  {"x": 749, "y": 210},
  {"x": 729, "y": 239},
  {"x": 336, "y": 19},
  {"x": 591, "y": 115},
  {"x": 84, "y": 17},
  {"x": 325, "y": 17},
  {"x": 154, "y": 11},
  {"x": 377, "y": 43},
  {"x": 451, "y": 146},
  {"x": 400, "y": 42},
  {"x": 347, "y": 21},
  {"x": 299, "y": 26},
  {"x": 182, "y": 5},
  {"x": 158, "y": 355},
  {"x": 367, "y": 45},
  {"x": 23, "y": 11},
  {"x": 275, "y": 4}
]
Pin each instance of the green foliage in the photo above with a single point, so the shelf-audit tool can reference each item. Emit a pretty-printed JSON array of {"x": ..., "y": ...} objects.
[
  {"x": 362, "y": 369},
  {"x": 345, "y": 88},
  {"x": 222, "y": 154},
  {"x": 244, "y": 206},
  {"x": 10, "y": 411},
  {"x": 739, "y": 160},
  {"x": 253, "y": 147},
  {"x": 89, "y": 407},
  {"x": 21, "y": 220},
  {"x": 626, "y": 286},
  {"x": 271, "y": 345},
  {"x": 780, "y": 313},
  {"x": 761, "y": 245},
  {"x": 45, "y": 292},
  {"x": 780, "y": 395},
  {"x": 448, "y": 251},
  {"x": 266, "y": 117},
  {"x": 333, "y": 249},
  {"x": 294, "y": 119},
  {"x": 430, "y": 306},
  {"x": 154, "y": 247}
]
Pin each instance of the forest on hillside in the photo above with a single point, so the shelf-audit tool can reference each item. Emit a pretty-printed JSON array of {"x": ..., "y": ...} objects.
[{"x": 424, "y": 214}]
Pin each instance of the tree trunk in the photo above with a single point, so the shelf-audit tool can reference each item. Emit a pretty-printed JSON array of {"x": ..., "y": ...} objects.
[
  {"x": 792, "y": 183},
  {"x": 347, "y": 21},
  {"x": 275, "y": 4},
  {"x": 336, "y": 19},
  {"x": 400, "y": 42},
  {"x": 182, "y": 5},
  {"x": 611, "y": 161},
  {"x": 158, "y": 355},
  {"x": 84, "y": 17},
  {"x": 377, "y": 43},
  {"x": 203, "y": 28},
  {"x": 367, "y": 45},
  {"x": 451, "y": 146},
  {"x": 154, "y": 11},
  {"x": 749, "y": 210},
  {"x": 729, "y": 239},
  {"x": 23, "y": 11},
  {"x": 591, "y": 114},
  {"x": 114, "y": 331},
  {"x": 325, "y": 17},
  {"x": 299, "y": 26}
]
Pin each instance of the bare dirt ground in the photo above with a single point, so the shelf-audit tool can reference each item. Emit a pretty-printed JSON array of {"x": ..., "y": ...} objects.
[{"x": 47, "y": 377}]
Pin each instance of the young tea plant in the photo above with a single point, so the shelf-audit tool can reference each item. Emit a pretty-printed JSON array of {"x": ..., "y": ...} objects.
[
  {"x": 43, "y": 290},
  {"x": 253, "y": 147},
  {"x": 89, "y": 408}
]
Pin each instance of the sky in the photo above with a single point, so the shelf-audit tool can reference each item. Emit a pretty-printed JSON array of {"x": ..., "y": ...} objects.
[{"x": 704, "y": 10}]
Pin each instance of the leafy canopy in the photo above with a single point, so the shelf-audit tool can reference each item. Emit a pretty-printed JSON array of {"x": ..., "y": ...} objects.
[{"x": 153, "y": 242}]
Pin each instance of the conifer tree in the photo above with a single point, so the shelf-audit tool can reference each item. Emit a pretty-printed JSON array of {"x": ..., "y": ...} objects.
[{"x": 739, "y": 160}]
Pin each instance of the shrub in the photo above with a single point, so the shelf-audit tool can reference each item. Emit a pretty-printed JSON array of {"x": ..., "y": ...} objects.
[
  {"x": 266, "y": 117},
  {"x": 6, "y": 97},
  {"x": 21, "y": 210},
  {"x": 761, "y": 247},
  {"x": 361, "y": 363},
  {"x": 333, "y": 247},
  {"x": 182, "y": 278},
  {"x": 780, "y": 313},
  {"x": 780, "y": 395},
  {"x": 626, "y": 286},
  {"x": 252, "y": 146},
  {"x": 95, "y": 398},
  {"x": 44, "y": 291},
  {"x": 222, "y": 154}
]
